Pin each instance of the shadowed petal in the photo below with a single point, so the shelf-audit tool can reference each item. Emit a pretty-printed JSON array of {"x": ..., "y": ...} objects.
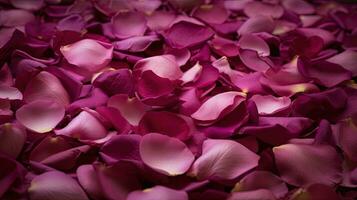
[{"x": 12, "y": 139}]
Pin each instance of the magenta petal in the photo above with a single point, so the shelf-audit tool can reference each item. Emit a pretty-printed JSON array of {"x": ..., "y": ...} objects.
[
  {"x": 158, "y": 192},
  {"x": 217, "y": 106},
  {"x": 128, "y": 24},
  {"x": 300, "y": 7},
  {"x": 345, "y": 132},
  {"x": 257, "y": 24},
  {"x": 135, "y": 44},
  {"x": 88, "y": 179},
  {"x": 346, "y": 59},
  {"x": 175, "y": 125},
  {"x": 302, "y": 164},
  {"x": 15, "y": 17},
  {"x": 27, "y": 5},
  {"x": 84, "y": 126},
  {"x": 215, "y": 14},
  {"x": 43, "y": 187},
  {"x": 165, "y": 154},
  {"x": 91, "y": 55},
  {"x": 40, "y": 116},
  {"x": 225, "y": 47},
  {"x": 115, "y": 82},
  {"x": 254, "y": 43},
  {"x": 46, "y": 86},
  {"x": 185, "y": 34},
  {"x": 223, "y": 160},
  {"x": 261, "y": 194},
  {"x": 12, "y": 139},
  {"x": 254, "y": 62},
  {"x": 115, "y": 118},
  {"x": 11, "y": 93},
  {"x": 269, "y": 104},
  {"x": 316, "y": 192},
  {"x": 255, "y": 8},
  {"x": 262, "y": 180}
]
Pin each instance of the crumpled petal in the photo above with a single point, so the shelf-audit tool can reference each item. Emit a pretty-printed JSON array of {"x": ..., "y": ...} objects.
[
  {"x": 269, "y": 104},
  {"x": 223, "y": 160},
  {"x": 89, "y": 54},
  {"x": 45, "y": 86},
  {"x": 178, "y": 126},
  {"x": 43, "y": 187},
  {"x": 185, "y": 34},
  {"x": 165, "y": 154},
  {"x": 303, "y": 164},
  {"x": 127, "y": 24},
  {"x": 262, "y": 180},
  {"x": 158, "y": 192},
  {"x": 12, "y": 139},
  {"x": 218, "y": 106},
  {"x": 40, "y": 116}
]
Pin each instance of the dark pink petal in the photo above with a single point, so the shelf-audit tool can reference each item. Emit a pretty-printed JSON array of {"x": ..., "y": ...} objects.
[
  {"x": 84, "y": 126},
  {"x": 316, "y": 192},
  {"x": 178, "y": 126},
  {"x": 135, "y": 44},
  {"x": 45, "y": 86},
  {"x": 210, "y": 13},
  {"x": 164, "y": 66},
  {"x": 117, "y": 180},
  {"x": 88, "y": 179},
  {"x": 89, "y": 54},
  {"x": 40, "y": 116},
  {"x": 255, "y": 43},
  {"x": 283, "y": 26},
  {"x": 15, "y": 17},
  {"x": 50, "y": 145},
  {"x": 324, "y": 73},
  {"x": 121, "y": 147},
  {"x": 223, "y": 160},
  {"x": 255, "y": 8},
  {"x": 165, "y": 154},
  {"x": 218, "y": 106},
  {"x": 185, "y": 34},
  {"x": 95, "y": 97},
  {"x": 115, "y": 82},
  {"x": 12, "y": 174},
  {"x": 225, "y": 47},
  {"x": 115, "y": 118},
  {"x": 71, "y": 23},
  {"x": 158, "y": 192},
  {"x": 257, "y": 24},
  {"x": 261, "y": 194},
  {"x": 12, "y": 139},
  {"x": 327, "y": 36},
  {"x": 11, "y": 93},
  {"x": 269, "y": 104},
  {"x": 262, "y": 180},
  {"x": 254, "y": 62},
  {"x": 130, "y": 108},
  {"x": 345, "y": 132},
  {"x": 43, "y": 187},
  {"x": 302, "y": 164},
  {"x": 127, "y": 24},
  {"x": 27, "y": 5},
  {"x": 300, "y": 7},
  {"x": 346, "y": 59}
]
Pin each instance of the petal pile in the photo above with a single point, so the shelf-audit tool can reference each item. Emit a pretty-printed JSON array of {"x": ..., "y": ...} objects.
[{"x": 178, "y": 99}]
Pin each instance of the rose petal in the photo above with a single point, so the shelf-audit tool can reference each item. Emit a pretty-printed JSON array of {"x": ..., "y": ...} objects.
[
  {"x": 300, "y": 7},
  {"x": 257, "y": 24},
  {"x": 158, "y": 192},
  {"x": 215, "y": 14},
  {"x": 12, "y": 139},
  {"x": 254, "y": 43},
  {"x": 346, "y": 59},
  {"x": 128, "y": 24},
  {"x": 223, "y": 160},
  {"x": 164, "y": 154},
  {"x": 11, "y": 93},
  {"x": 15, "y": 17},
  {"x": 316, "y": 192},
  {"x": 27, "y": 5},
  {"x": 269, "y": 104},
  {"x": 261, "y": 194},
  {"x": 91, "y": 55},
  {"x": 88, "y": 179},
  {"x": 254, "y": 8},
  {"x": 12, "y": 175},
  {"x": 43, "y": 187},
  {"x": 135, "y": 44},
  {"x": 45, "y": 86},
  {"x": 301, "y": 164},
  {"x": 40, "y": 116}
]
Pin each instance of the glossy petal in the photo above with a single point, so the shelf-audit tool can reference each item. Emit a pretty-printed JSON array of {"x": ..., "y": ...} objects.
[
  {"x": 164, "y": 154},
  {"x": 269, "y": 104},
  {"x": 40, "y": 116}
]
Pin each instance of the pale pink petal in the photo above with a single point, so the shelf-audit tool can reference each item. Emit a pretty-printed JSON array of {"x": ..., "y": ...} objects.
[
  {"x": 217, "y": 106},
  {"x": 164, "y": 66},
  {"x": 89, "y": 54},
  {"x": 40, "y": 116},
  {"x": 128, "y": 24},
  {"x": 165, "y": 154},
  {"x": 11, "y": 93},
  {"x": 257, "y": 24},
  {"x": 130, "y": 108},
  {"x": 45, "y": 86},
  {"x": 223, "y": 160},
  {"x": 269, "y": 104},
  {"x": 303, "y": 164},
  {"x": 55, "y": 185},
  {"x": 255, "y": 43},
  {"x": 157, "y": 193},
  {"x": 192, "y": 74},
  {"x": 84, "y": 126}
]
